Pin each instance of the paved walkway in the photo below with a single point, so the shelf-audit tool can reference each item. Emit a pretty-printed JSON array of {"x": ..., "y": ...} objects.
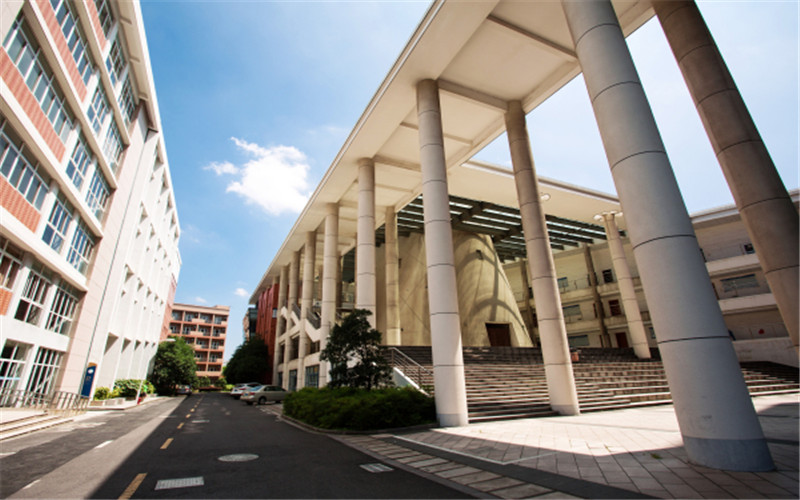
[{"x": 631, "y": 453}]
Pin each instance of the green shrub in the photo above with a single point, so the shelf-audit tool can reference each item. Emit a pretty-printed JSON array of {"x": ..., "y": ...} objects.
[
  {"x": 102, "y": 393},
  {"x": 128, "y": 387},
  {"x": 360, "y": 409}
]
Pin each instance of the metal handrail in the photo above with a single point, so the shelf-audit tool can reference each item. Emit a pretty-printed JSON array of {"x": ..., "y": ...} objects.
[
  {"x": 66, "y": 403},
  {"x": 411, "y": 368}
]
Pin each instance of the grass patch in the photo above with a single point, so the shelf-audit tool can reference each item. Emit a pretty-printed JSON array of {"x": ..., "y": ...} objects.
[{"x": 345, "y": 408}]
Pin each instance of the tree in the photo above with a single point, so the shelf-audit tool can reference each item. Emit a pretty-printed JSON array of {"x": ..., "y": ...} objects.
[
  {"x": 249, "y": 363},
  {"x": 174, "y": 365},
  {"x": 354, "y": 352}
]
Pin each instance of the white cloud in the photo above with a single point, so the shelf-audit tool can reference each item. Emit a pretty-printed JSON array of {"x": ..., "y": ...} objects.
[
  {"x": 225, "y": 167},
  {"x": 276, "y": 179},
  {"x": 241, "y": 292},
  {"x": 200, "y": 300}
]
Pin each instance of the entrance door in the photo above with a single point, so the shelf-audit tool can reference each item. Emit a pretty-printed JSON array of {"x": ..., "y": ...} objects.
[
  {"x": 622, "y": 340},
  {"x": 499, "y": 334}
]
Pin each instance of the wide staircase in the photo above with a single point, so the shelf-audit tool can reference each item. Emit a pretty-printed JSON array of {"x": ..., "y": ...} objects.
[{"x": 509, "y": 382}]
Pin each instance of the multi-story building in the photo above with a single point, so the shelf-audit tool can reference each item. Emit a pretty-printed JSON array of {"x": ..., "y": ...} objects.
[
  {"x": 89, "y": 236},
  {"x": 249, "y": 322},
  {"x": 204, "y": 328}
]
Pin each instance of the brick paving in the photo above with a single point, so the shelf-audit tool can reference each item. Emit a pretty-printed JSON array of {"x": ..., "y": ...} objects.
[{"x": 629, "y": 453}]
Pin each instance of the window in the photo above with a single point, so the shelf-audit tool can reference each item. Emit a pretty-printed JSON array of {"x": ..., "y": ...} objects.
[
  {"x": 81, "y": 248},
  {"x": 205, "y": 318},
  {"x": 313, "y": 347},
  {"x": 572, "y": 312},
  {"x": 26, "y": 56},
  {"x": 44, "y": 371},
  {"x": 189, "y": 316},
  {"x": 294, "y": 348},
  {"x": 614, "y": 307},
  {"x": 739, "y": 282},
  {"x": 79, "y": 162},
  {"x": 115, "y": 62},
  {"x": 578, "y": 340},
  {"x": 98, "y": 194},
  {"x": 10, "y": 262},
  {"x": 57, "y": 224},
  {"x": 98, "y": 109},
  {"x": 12, "y": 361},
  {"x": 112, "y": 147},
  {"x": 608, "y": 276},
  {"x": 218, "y": 320},
  {"x": 127, "y": 101},
  {"x": 31, "y": 303},
  {"x": 105, "y": 15},
  {"x": 187, "y": 330},
  {"x": 176, "y": 315},
  {"x": 312, "y": 376},
  {"x": 173, "y": 328},
  {"x": 74, "y": 36},
  {"x": 563, "y": 284},
  {"x": 19, "y": 171},
  {"x": 63, "y": 309}
]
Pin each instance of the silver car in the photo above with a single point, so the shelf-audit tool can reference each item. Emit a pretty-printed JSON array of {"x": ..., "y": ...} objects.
[
  {"x": 263, "y": 394},
  {"x": 239, "y": 389}
]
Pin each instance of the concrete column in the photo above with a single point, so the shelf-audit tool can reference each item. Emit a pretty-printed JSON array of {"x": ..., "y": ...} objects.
[
  {"x": 448, "y": 362},
  {"x": 713, "y": 407},
  {"x": 626, "y": 289},
  {"x": 541, "y": 268},
  {"x": 294, "y": 271},
  {"x": 761, "y": 197},
  {"x": 280, "y": 324},
  {"x": 393, "y": 332},
  {"x": 365, "y": 239},
  {"x": 309, "y": 258},
  {"x": 329, "y": 283}
]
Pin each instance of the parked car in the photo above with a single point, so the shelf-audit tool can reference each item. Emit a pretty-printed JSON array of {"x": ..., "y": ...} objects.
[
  {"x": 183, "y": 390},
  {"x": 248, "y": 396},
  {"x": 238, "y": 389},
  {"x": 265, "y": 393}
]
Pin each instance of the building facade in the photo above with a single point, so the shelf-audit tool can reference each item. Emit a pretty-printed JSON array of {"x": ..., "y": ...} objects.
[
  {"x": 406, "y": 167},
  {"x": 204, "y": 328},
  {"x": 90, "y": 230}
]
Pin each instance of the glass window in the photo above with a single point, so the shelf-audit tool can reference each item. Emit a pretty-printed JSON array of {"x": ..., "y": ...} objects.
[
  {"x": 19, "y": 171},
  {"x": 79, "y": 161},
  {"x": 75, "y": 40},
  {"x": 62, "y": 311},
  {"x": 56, "y": 230},
  {"x": 105, "y": 15},
  {"x": 44, "y": 371},
  {"x": 739, "y": 282},
  {"x": 98, "y": 194},
  {"x": 24, "y": 52},
  {"x": 10, "y": 263},
  {"x": 31, "y": 303},
  {"x": 81, "y": 249},
  {"x": 573, "y": 311},
  {"x": 98, "y": 109},
  {"x": 12, "y": 362},
  {"x": 614, "y": 307},
  {"x": 116, "y": 62},
  {"x": 608, "y": 276},
  {"x": 312, "y": 376},
  {"x": 127, "y": 101},
  {"x": 112, "y": 148}
]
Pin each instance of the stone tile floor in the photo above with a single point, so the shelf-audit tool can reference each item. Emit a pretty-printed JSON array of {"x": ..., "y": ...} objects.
[{"x": 630, "y": 453}]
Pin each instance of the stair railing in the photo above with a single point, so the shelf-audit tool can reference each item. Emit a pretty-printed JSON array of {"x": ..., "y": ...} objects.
[
  {"x": 63, "y": 403},
  {"x": 413, "y": 370}
]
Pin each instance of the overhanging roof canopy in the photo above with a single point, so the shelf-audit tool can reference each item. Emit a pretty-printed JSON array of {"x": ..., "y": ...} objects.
[{"x": 483, "y": 54}]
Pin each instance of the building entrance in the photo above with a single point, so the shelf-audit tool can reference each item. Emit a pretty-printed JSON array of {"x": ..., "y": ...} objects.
[{"x": 499, "y": 334}]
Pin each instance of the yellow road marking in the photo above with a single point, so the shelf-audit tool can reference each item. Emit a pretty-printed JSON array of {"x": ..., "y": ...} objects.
[
  {"x": 188, "y": 415},
  {"x": 131, "y": 489},
  {"x": 191, "y": 411},
  {"x": 166, "y": 444},
  {"x": 180, "y": 425}
]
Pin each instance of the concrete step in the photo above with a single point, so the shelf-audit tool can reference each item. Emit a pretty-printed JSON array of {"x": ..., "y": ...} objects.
[{"x": 26, "y": 426}]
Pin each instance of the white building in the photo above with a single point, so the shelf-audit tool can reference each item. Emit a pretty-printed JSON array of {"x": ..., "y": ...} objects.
[{"x": 90, "y": 230}]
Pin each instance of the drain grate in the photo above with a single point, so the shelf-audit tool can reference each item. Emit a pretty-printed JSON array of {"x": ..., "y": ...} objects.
[
  {"x": 238, "y": 457},
  {"x": 186, "y": 482},
  {"x": 375, "y": 468}
]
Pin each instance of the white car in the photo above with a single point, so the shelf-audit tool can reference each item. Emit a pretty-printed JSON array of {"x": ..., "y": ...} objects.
[{"x": 238, "y": 389}]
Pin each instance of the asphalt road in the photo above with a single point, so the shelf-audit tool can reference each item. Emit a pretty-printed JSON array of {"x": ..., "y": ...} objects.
[{"x": 180, "y": 452}]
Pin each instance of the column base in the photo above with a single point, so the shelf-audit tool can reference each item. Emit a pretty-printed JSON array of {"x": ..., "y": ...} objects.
[
  {"x": 452, "y": 419},
  {"x": 750, "y": 455},
  {"x": 566, "y": 410}
]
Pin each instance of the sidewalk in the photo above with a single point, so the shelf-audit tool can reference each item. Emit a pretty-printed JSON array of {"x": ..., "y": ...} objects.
[{"x": 630, "y": 453}]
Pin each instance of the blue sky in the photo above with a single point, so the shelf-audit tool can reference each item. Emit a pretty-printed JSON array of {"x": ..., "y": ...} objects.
[{"x": 257, "y": 97}]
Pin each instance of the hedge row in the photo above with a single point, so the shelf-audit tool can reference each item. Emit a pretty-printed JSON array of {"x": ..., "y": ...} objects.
[{"x": 345, "y": 408}]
